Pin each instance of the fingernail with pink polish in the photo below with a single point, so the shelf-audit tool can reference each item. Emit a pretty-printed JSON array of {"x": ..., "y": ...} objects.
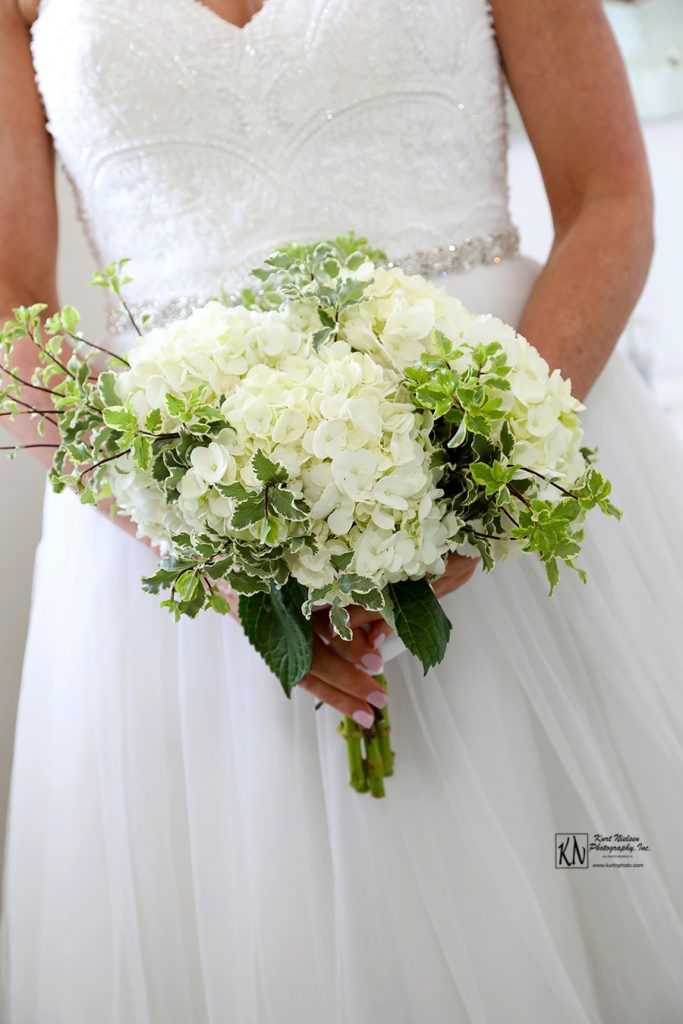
[
  {"x": 380, "y": 638},
  {"x": 372, "y": 662},
  {"x": 377, "y": 698},
  {"x": 363, "y": 718}
]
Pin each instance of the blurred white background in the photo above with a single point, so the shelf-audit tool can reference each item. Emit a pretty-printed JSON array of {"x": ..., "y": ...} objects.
[{"x": 651, "y": 36}]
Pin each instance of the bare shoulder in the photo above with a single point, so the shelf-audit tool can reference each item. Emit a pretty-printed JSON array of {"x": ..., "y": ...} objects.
[
  {"x": 28, "y": 215},
  {"x": 538, "y": 36},
  {"x": 24, "y": 11},
  {"x": 568, "y": 79}
]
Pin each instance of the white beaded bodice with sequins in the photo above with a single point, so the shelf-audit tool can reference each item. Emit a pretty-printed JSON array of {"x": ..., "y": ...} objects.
[{"x": 195, "y": 147}]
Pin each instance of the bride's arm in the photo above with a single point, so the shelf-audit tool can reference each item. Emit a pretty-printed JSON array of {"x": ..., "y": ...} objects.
[
  {"x": 28, "y": 209},
  {"x": 28, "y": 219},
  {"x": 566, "y": 74}
]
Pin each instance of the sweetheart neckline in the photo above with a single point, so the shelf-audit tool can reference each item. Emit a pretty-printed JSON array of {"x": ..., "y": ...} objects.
[
  {"x": 230, "y": 26},
  {"x": 203, "y": 10}
]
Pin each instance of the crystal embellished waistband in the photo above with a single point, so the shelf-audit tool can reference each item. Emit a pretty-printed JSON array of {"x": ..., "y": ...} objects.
[
  {"x": 450, "y": 259},
  {"x": 441, "y": 260}
]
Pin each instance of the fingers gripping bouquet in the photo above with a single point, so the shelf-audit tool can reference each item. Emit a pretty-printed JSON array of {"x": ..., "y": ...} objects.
[{"x": 328, "y": 439}]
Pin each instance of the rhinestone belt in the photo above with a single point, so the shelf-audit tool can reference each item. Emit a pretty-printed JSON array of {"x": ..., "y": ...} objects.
[{"x": 440, "y": 260}]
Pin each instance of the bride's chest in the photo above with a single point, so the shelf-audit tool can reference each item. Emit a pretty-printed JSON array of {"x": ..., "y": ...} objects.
[{"x": 119, "y": 71}]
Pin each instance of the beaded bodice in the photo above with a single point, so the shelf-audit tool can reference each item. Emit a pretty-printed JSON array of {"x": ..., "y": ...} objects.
[{"x": 195, "y": 147}]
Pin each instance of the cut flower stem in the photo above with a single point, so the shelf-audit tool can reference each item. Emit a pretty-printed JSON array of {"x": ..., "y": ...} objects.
[{"x": 370, "y": 756}]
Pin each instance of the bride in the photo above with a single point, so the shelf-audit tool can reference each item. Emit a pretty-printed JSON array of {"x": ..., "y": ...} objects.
[{"x": 183, "y": 845}]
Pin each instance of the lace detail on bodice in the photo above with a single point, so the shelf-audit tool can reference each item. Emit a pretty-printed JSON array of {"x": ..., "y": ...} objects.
[{"x": 195, "y": 147}]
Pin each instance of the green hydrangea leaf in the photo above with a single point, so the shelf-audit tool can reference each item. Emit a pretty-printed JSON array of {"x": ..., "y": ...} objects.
[
  {"x": 275, "y": 625},
  {"x": 420, "y": 621}
]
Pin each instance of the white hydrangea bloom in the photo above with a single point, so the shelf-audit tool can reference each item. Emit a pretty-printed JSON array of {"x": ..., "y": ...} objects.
[{"x": 355, "y": 449}]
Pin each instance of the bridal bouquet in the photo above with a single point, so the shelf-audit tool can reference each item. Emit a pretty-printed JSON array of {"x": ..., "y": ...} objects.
[{"x": 327, "y": 439}]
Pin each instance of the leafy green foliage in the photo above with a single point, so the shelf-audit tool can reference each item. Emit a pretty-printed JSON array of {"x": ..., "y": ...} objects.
[
  {"x": 495, "y": 498},
  {"x": 267, "y": 506},
  {"x": 112, "y": 277},
  {"x": 320, "y": 274},
  {"x": 419, "y": 620},
  {"x": 494, "y": 477},
  {"x": 283, "y": 636},
  {"x": 95, "y": 429},
  {"x": 462, "y": 387},
  {"x": 348, "y": 589}
]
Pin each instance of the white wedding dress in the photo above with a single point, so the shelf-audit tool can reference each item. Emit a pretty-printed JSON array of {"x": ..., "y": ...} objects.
[{"x": 183, "y": 844}]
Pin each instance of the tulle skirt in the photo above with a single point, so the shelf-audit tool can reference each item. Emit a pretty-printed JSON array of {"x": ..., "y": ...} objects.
[{"x": 184, "y": 846}]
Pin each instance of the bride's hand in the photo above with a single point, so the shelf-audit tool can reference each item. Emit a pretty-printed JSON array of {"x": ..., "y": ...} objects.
[
  {"x": 338, "y": 682},
  {"x": 334, "y": 678},
  {"x": 459, "y": 570}
]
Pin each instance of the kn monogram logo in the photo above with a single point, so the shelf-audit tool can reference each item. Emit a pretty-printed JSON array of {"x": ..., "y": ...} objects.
[
  {"x": 571, "y": 849},
  {"x": 580, "y": 850}
]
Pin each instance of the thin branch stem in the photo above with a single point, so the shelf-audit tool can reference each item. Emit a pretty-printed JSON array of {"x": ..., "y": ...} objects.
[
  {"x": 485, "y": 536},
  {"x": 23, "y": 447},
  {"x": 503, "y": 510},
  {"x": 100, "y": 348},
  {"x": 25, "y": 383},
  {"x": 32, "y": 335},
  {"x": 518, "y": 494},
  {"x": 37, "y": 387},
  {"x": 570, "y": 494},
  {"x": 128, "y": 312},
  {"x": 510, "y": 517},
  {"x": 31, "y": 410},
  {"x": 102, "y": 462}
]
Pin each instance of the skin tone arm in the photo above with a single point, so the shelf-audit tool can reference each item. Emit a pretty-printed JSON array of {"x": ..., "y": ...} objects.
[
  {"x": 28, "y": 210},
  {"x": 570, "y": 85},
  {"x": 28, "y": 213},
  {"x": 569, "y": 82}
]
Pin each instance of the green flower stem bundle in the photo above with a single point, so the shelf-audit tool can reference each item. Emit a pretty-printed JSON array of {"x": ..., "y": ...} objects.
[
  {"x": 327, "y": 439},
  {"x": 370, "y": 756}
]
